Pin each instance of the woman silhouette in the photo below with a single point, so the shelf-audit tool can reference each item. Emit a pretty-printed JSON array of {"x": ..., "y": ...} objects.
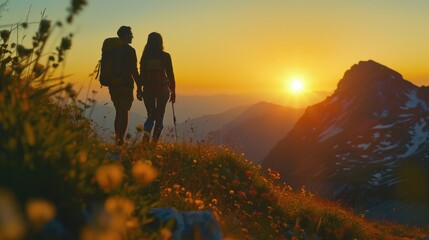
[{"x": 156, "y": 70}]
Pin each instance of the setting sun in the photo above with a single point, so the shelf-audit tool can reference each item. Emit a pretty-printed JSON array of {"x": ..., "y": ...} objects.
[{"x": 296, "y": 85}]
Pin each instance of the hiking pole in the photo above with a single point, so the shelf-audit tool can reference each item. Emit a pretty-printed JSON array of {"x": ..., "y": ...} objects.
[{"x": 174, "y": 121}]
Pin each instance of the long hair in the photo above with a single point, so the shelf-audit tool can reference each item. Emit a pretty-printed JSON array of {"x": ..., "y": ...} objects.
[{"x": 154, "y": 46}]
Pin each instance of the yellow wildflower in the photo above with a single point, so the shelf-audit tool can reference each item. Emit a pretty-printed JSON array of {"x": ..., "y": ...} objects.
[
  {"x": 165, "y": 234},
  {"x": 109, "y": 176},
  {"x": 40, "y": 212},
  {"x": 119, "y": 206},
  {"x": 199, "y": 204},
  {"x": 144, "y": 173}
]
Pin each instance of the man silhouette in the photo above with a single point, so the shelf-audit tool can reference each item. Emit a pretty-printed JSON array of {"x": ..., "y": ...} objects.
[{"x": 124, "y": 70}]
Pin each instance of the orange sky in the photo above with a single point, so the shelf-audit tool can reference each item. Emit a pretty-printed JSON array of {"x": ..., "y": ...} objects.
[{"x": 251, "y": 46}]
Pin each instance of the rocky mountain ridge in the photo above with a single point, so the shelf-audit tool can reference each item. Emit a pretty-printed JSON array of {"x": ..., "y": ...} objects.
[{"x": 367, "y": 145}]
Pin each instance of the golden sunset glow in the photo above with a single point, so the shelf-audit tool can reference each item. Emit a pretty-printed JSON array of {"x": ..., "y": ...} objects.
[
  {"x": 296, "y": 85},
  {"x": 232, "y": 47}
]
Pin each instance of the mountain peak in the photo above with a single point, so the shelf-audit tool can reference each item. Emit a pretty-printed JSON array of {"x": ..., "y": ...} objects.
[
  {"x": 368, "y": 73},
  {"x": 356, "y": 144}
]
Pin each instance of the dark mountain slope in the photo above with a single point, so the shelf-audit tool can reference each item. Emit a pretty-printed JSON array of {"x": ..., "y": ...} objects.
[
  {"x": 256, "y": 131},
  {"x": 367, "y": 145}
]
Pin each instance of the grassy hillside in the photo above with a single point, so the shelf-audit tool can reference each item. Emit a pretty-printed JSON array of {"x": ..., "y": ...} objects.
[{"x": 249, "y": 203}]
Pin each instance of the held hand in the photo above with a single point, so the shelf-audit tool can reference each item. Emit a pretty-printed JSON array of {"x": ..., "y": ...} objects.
[
  {"x": 173, "y": 97},
  {"x": 139, "y": 94}
]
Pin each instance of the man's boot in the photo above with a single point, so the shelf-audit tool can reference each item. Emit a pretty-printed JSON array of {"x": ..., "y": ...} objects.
[
  {"x": 146, "y": 136},
  {"x": 148, "y": 125}
]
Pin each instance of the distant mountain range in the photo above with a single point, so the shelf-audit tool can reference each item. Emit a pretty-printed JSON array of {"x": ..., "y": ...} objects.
[
  {"x": 186, "y": 108},
  {"x": 249, "y": 128},
  {"x": 256, "y": 131},
  {"x": 252, "y": 130},
  {"x": 197, "y": 129},
  {"x": 367, "y": 145}
]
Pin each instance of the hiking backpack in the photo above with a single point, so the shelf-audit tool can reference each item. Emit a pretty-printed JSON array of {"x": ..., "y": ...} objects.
[{"x": 107, "y": 60}]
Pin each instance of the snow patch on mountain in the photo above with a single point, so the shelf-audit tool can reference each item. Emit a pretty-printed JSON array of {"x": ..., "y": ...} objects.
[
  {"x": 382, "y": 126},
  {"x": 418, "y": 136},
  {"x": 386, "y": 145},
  {"x": 414, "y": 101},
  {"x": 384, "y": 113},
  {"x": 329, "y": 132},
  {"x": 376, "y": 179},
  {"x": 364, "y": 146}
]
